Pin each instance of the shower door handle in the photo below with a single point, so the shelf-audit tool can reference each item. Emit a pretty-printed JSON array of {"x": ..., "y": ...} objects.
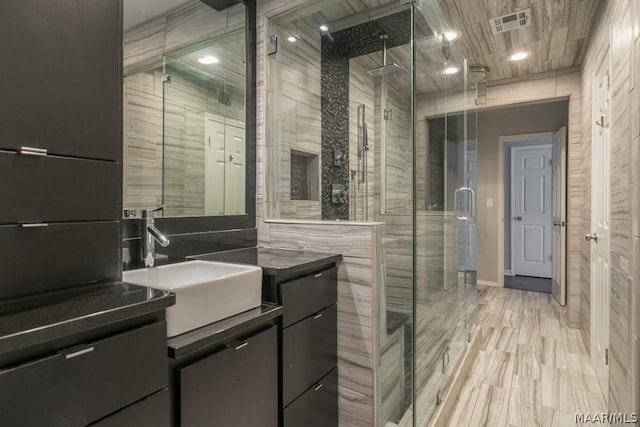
[{"x": 472, "y": 201}]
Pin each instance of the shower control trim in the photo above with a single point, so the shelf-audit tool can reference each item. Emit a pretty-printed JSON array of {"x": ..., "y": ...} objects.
[{"x": 338, "y": 194}]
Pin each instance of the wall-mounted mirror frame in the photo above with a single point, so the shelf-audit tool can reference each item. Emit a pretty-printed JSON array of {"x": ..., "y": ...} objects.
[{"x": 196, "y": 224}]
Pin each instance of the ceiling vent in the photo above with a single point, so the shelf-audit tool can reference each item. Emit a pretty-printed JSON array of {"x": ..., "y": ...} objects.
[{"x": 510, "y": 22}]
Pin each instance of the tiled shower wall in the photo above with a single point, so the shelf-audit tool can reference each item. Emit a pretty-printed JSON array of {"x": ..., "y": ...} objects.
[
  {"x": 357, "y": 293},
  {"x": 619, "y": 30},
  {"x": 295, "y": 115},
  {"x": 362, "y": 91}
]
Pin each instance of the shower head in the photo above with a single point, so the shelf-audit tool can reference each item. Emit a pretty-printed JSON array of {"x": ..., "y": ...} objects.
[{"x": 384, "y": 68}]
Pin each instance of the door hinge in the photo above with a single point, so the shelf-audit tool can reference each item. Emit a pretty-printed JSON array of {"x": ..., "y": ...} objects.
[
  {"x": 438, "y": 397},
  {"x": 606, "y": 357},
  {"x": 388, "y": 114},
  {"x": 550, "y": 162},
  {"x": 550, "y": 257}
]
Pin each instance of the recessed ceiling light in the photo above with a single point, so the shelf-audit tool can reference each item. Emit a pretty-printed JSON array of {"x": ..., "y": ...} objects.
[
  {"x": 450, "y": 35},
  {"x": 518, "y": 56},
  {"x": 291, "y": 39},
  {"x": 451, "y": 70},
  {"x": 324, "y": 28},
  {"x": 208, "y": 60}
]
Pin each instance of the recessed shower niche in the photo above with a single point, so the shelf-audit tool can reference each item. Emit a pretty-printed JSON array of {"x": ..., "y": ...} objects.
[{"x": 305, "y": 176}]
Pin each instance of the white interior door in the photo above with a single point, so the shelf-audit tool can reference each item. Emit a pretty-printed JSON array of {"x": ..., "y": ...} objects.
[
  {"x": 559, "y": 209},
  {"x": 234, "y": 196},
  {"x": 600, "y": 216},
  {"x": 531, "y": 210},
  {"x": 214, "y": 165}
]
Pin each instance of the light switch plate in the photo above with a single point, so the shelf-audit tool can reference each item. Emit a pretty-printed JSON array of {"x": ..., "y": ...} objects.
[{"x": 489, "y": 202}]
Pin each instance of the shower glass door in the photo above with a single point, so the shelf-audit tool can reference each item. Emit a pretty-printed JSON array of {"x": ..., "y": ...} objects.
[{"x": 445, "y": 209}]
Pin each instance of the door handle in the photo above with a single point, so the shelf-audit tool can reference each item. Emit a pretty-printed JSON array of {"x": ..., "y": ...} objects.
[
  {"x": 593, "y": 237},
  {"x": 471, "y": 207},
  {"x": 556, "y": 223},
  {"x": 517, "y": 218}
]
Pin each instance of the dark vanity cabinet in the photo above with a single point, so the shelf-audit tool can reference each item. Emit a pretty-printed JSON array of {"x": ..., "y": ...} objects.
[
  {"x": 115, "y": 374},
  {"x": 61, "y": 79},
  {"x": 60, "y": 144},
  {"x": 235, "y": 386},
  {"x": 305, "y": 285},
  {"x": 309, "y": 347},
  {"x": 226, "y": 373}
]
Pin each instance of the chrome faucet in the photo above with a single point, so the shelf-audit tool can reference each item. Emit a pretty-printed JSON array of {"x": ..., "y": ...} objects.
[{"x": 151, "y": 235}]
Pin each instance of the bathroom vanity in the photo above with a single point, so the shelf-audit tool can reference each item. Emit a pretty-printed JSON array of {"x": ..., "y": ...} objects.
[
  {"x": 305, "y": 285},
  {"x": 85, "y": 356}
]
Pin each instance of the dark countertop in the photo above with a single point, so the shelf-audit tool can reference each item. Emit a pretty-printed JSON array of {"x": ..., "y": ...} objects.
[
  {"x": 215, "y": 333},
  {"x": 45, "y": 319},
  {"x": 274, "y": 262}
]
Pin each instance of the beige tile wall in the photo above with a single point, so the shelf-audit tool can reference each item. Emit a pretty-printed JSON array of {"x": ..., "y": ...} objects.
[
  {"x": 358, "y": 352},
  {"x": 295, "y": 118}
]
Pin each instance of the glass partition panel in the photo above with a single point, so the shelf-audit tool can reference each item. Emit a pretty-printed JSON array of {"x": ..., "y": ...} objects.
[
  {"x": 445, "y": 217},
  {"x": 371, "y": 117}
]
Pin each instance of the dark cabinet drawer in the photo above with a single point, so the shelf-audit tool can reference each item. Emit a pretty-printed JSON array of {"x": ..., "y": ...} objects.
[
  {"x": 318, "y": 407},
  {"x": 82, "y": 384},
  {"x": 60, "y": 84},
  {"x": 307, "y": 295},
  {"x": 237, "y": 386},
  {"x": 153, "y": 411},
  {"x": 309, "y": 351},
  {"x": 57, "y": 189},
  {"x": 57, "y": 256}
]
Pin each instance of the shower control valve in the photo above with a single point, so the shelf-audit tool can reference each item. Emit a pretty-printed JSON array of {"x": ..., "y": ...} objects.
[{"x": 339, "y": 194}]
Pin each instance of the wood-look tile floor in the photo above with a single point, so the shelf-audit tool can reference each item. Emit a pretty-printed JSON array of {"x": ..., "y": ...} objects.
[{"x": 532, "y": 369}]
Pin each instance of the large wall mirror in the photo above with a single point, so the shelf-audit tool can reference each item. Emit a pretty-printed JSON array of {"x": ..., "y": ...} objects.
[{"x": 189, "y": 111}]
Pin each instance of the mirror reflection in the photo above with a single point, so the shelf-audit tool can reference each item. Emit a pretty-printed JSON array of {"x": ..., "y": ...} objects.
[{"x": 184, "y": 135}]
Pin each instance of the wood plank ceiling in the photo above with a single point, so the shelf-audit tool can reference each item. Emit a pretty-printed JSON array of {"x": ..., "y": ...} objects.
[{"x": 556, "y": 39}]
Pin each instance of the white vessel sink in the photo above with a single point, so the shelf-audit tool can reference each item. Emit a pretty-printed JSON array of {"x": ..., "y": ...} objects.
[{"x": 205, "y": 291}]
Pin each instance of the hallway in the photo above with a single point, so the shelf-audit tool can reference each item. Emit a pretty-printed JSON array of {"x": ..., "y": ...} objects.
[{"x": 532, "y": 369}]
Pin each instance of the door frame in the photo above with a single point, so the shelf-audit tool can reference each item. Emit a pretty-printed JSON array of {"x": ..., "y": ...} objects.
[{"x": 503, "y": 142}]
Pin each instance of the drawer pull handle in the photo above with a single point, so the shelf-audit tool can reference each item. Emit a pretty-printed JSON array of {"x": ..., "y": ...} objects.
[
  {"x": 78, "y": 353},
  {"x": 318, "y": 388},
  {"x": 243, "y": 345},
  {"x": 318, "y": 275},
  {"x": 317, "y": 316},
  {"x": 31, "y": 151},
  {"x": 34, "y": 225}
]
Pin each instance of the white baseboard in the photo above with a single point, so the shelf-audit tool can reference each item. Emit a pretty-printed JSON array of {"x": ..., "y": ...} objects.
[
  {"x": 486, "y": 283},
  {"x": 508, "y": 273}
]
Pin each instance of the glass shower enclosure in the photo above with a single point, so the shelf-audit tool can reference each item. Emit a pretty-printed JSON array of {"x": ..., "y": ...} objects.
[{"x": 372, "y": 119}]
